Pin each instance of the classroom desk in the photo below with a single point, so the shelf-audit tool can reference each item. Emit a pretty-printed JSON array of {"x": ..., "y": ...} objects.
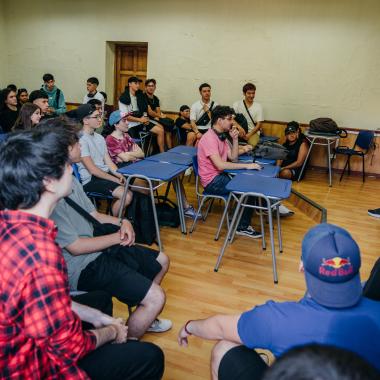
[
  {"x": 172, "y": 158},
  {"x": 184, "y": 149},
  {"x": 270, "y": 171},
  {"x": 161, "y": 172},
  {"x": 268, "y": 191},
  {"x": 322, "y": 140}
]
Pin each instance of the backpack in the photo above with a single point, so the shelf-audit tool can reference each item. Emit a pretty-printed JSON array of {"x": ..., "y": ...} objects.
[
  {"x": 140, "y": 214},
  {"x": 167, "y": 213},
  {"x": 326, "y": 126},
  {"x": 270, "y": 150},
  {"x": 372, "y": 286}
]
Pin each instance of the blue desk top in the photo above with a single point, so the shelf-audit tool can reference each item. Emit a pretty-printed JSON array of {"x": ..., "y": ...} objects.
[
  {"x": 184, "y": 149},
  {"x": 271, "y": 187},
  {"x": 261, "y": 161},
  {"x": 172, "y": 158},
  {"x": 266, "y": 171},
  {"x": 160, "y": 171}
]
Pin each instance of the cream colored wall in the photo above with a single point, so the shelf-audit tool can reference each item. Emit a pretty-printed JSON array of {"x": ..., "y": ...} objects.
[
  {"x": 308, "y": 58},
  {"x": 3, "y": 48}
]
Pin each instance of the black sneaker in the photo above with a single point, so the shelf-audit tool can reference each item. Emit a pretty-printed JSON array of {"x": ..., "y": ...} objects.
[
  {"x": 375, "y": 213},
  {"x": 249, "y": 231}
]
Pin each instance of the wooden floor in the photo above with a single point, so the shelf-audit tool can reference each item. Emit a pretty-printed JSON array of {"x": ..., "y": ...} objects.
[{"x": 194, "y": 290}]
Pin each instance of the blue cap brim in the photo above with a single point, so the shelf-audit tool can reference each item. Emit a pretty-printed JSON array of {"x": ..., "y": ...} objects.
[{"x": 334, "y": 295}]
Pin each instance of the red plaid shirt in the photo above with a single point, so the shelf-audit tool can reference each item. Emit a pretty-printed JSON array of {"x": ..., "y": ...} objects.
[{"x": 40, "y": 336}]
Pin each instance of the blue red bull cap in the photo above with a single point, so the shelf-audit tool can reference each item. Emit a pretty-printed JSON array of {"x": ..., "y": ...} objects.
[{"x": 331, "y": 259}]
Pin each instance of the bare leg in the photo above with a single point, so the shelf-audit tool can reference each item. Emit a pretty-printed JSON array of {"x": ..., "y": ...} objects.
[
  {"x": 147, "y": 311},
  {"x": 190, "y": 140},
  {"x": 169, "y": 142},
  {"x": 219, "y": 350},
  {"x": 118, "y": 194},
  {"x": 286, "y": 174},
  {"x": 164, "y": 261},
  {"x": 158, "y": 130}
]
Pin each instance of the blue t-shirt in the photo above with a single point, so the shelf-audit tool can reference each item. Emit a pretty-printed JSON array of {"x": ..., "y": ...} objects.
[{"x": 279, "y": 326}]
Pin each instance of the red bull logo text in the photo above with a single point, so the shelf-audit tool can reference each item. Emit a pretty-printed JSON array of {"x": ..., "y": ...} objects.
[{"x": 335, "y": 267}]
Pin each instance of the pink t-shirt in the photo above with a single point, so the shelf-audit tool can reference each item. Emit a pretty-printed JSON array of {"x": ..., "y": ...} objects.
[
  {"x": 209, "y": 145},
  {"x": 115, "y": 146}
]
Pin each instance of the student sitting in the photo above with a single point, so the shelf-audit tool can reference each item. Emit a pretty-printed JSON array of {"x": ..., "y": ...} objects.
[
  {"x": 92, "y": 91},
  {"x": 41, "y": 99},
  {"x": 297, "y": 146},
  {"x": 8, "y": 109},
  {"x": 29, "y": 116},
  {"x": 200, "y": 111},
  {"x": 123, "y": 151},
  {"x": 121, "y": 148},
  {"x": 332, "y": 312},
  {"x": 253, "y": 113},
  {"x": 98, "y": 172},
  {"x": 155, "y": 114},
  {"x": 22, "y": 96},
  {"x": 57, "y": 104},
  {"x": 186, "y": 132},
  {"x": 215, "y": 156},
  {"x": 41, "y": 334},
  {"x": 133, "y": 102}
]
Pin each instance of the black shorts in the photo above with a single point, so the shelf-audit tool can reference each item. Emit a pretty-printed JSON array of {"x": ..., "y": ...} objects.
[
  {"x": 295, "y": 173},
  {"x": 124, "y": 272},
  {"x": 134, "y": 132},
  {"x": 241, "y": 363},
  {"x": 101, "y": 186}
]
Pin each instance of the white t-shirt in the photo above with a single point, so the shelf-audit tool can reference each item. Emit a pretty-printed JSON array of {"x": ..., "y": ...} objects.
[
  {"x": 130, "y": 108},
  {"x": 196, "y": 111},
  {"x": 98, "y": 96},
  {"x": 255, "y": 110},
  {"x": 93, "y": 146}
]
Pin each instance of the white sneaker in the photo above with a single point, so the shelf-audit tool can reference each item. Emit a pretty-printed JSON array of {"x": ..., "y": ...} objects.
[
  {"x": 160, "y": 325},
  {"x": 284, "y": 211},
  {"x": 188, "y": 171}
]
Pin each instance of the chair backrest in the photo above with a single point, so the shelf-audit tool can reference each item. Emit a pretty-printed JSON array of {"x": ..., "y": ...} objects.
[
  {"x": 76, "y": 172},
  {"x": 195, "y": 165},
  {"x": 365, "y": 139}
]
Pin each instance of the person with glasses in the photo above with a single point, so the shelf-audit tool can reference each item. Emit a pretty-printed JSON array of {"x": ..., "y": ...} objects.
[
  {"x": 97, "y": 171},
  {"x": 215, "y": 155}
]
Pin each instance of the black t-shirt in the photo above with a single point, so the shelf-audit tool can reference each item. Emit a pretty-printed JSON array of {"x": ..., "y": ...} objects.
[
  {"x": 293, "y": 150},
  {"x": 152, "y": 102},
  {"x": 180, "y": 122},
  {"x": 8, "y": 118}
]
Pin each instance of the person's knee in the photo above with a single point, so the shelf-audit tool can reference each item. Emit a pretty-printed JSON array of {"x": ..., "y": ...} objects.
[
  {"x": 155, "y": 297},
  {"x": 219, "y": 351},
  {"x": 286, "y": 174},
  {"x": 164, "y": 261}
]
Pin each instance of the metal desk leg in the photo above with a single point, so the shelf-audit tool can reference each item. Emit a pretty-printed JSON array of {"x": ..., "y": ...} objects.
[
  {"x": 329, "y": 161},
  {"x": 274, "y": 265},
  {"x": 225, "y": 215},
  {"x": 229, "y": 232},
  {"x": 263, "y": 242},
  {"x": 307, "y": 157},
  {"x": 279, "y": 234},
  {"x": 180, "y": 205},
  {"x": 155, "y": 217}
]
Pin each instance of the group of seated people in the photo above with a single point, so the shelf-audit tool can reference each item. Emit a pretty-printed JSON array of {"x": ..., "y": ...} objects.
[{"x": 46, "y": 332}]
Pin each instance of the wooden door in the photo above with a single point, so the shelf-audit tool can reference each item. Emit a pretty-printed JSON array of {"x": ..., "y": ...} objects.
[{"x": 130, "y": 60}]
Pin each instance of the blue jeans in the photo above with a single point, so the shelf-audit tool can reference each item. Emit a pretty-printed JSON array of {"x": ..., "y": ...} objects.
[{"x": 218, "y": 187}]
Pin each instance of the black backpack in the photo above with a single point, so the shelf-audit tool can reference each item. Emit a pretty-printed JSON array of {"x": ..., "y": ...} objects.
[
  {"x": 140, "y": 214},
  {"x": 326, "y": 126},
  {"x": 167, "y": 212},
  {"x": 372, "y": 286},
  {"x": 270, "y": 150}
]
